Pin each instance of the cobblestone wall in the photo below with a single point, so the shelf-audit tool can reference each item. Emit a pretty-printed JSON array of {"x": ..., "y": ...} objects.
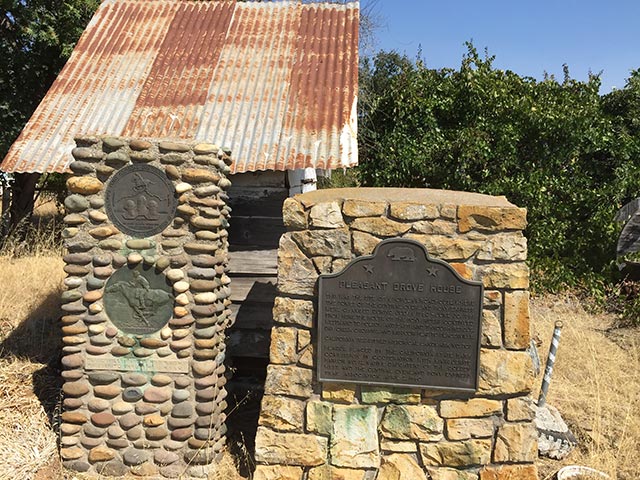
[
  {"x": 334, "y": 431},
  {"x": 145, "y": 314}
]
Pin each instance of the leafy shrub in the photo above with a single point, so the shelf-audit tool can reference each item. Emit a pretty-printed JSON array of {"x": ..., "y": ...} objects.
[{"x": 559, "y": 149}]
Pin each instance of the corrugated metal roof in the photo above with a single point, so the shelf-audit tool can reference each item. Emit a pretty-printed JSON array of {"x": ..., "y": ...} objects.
[{"x": 274, "y": 81}]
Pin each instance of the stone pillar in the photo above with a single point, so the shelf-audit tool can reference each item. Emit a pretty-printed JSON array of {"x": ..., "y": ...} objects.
[
  {"x": 146, "y": 307},
  {"x": 321, "y": 431}
]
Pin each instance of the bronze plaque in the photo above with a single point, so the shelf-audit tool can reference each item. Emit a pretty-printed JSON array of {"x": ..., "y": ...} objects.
[
  {"x": 140, "y": 200},
  {"x": 138, "y": 301},
  {"x": 401, "y": 318}
]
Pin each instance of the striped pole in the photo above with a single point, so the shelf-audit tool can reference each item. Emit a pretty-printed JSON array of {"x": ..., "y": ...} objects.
[{"x": 551, "y": 359}]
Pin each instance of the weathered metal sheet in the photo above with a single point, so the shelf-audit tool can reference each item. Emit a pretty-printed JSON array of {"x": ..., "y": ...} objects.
[{"x": 276, "y": 82}]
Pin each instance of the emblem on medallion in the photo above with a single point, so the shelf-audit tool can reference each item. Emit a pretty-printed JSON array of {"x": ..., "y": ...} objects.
[
  {"x": 138, "y": 301},
  {"x": 140, "y": 200}
]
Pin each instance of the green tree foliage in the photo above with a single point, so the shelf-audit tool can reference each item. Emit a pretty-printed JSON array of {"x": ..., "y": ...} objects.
[
  {"x": 559, "y": 149},
  {"x": 36, "y": 39}
]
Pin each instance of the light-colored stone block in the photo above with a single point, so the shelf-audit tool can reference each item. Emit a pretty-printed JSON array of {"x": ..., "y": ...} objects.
[
  {"x": 466, "y": 428},
  {"x": 354, "y": 439},
  {"x": 277, "y": 472},
  {"x": 412, "y": 422},
  {"x": 491, "y": 328},
  {"x": 444, "y": 473},
  {"x": 400, "y": 467},
  {"x": 319, "y": 417},
  {"x": 289, "y": 311},
  {"x": 504, "y": 275},
  {"x": 520, "y": 409},
  {"x": 491, "y": 218},
  {"x": 362, "y": 208},
  {"x": 326, "y": 215},
  {"x": 282, "y": 413},
  {"x": 413, "y": 211},
  {"x": 339, "y": 392},
  {"x": 516, "y": 443},
  {"x": 510, "y": 246},
  {"x": 509, "y": 472},
  {"x": 288, "y": 380},
  {"x": 517, "y": 323},
  {"x": 317, "y": 243},
  {"x": 456, "y": 454},
  {"x": 379, "y": 395},
  {"x": 505, "y": 372},
  {"x": 380, "y": 226},
  {"x": 327, "y": 472},
  {"x": 282, "y": 349},
  {"x": 293, "y": 215},
  {"x": 296, "y": 273},
  {"x": 290, "y": 448},
  {"x": 474, "y": 407}
]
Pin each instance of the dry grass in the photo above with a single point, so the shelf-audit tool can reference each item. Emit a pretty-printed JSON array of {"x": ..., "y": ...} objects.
[
  {"x": 596, "y": 382},
  {"x": 596, "y": 386},
  {"x": 29, "y": 309}
]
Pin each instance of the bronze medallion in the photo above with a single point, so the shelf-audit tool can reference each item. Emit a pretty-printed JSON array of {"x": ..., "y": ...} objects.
[
  {"x": 140, "y": 200},
  {"x": 399, "y": 317},
  {"x": 138, "y": 301}
]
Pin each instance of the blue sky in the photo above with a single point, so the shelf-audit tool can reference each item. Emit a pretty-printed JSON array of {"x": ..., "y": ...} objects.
[{"x": 526, "y": 36}]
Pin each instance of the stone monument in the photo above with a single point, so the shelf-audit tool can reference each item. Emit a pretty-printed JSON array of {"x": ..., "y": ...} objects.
[
  {"x": 372, "y": 369},
  {"x": 146, "y": 307}
]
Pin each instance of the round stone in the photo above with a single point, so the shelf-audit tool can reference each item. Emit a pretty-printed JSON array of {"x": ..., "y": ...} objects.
[
  {"x": 180, "y": 333},
  {"x": 76, "y": 203},
  {"x": 106, "y": 391},
  {"x": 164, "y": 351},
  {"x": 111, "y": 332},
  {"x": 161, "y": 380},
  {"x": 134, "y": 379},
  {"x": 135, "y": 432},
  {"x": 143, "y": 408},
  {"x": 103, "y": 378},
  {"x": 72, "y": 361},
  {"x": 102, "y": 419},
  {"x": 96, "y": 329},
  {"x": 181, "y": 344},
  {"x": 162, "y": 263},
  {"x": 134, "y": 258},
  {"x": 71, "y": 453},
  {"x": 102, "y": 260},
  {"x": 182, "y": 299},
  {"x": 96, "y": 350},
  {"x": 76, "y": 389},
  {"x": 139, "y": 145},
  {"x": 74, "y": 417},
  {"x": 120, "y": 408},
  {"x": 127, "y": 341},
  {"x": 139, "y": 244},
  {"x": 103, "y": 272},
  {"x": 95, "y": 308},
  {"x": 71, "y": 375},
  {"x": 72, "y": 282},
  {"x": 157, "y": 433},
  {"x": 157, "y": 395},
  {"x": 114, "y": 431},
  {"x": 181, "y": 286},
  {"x": 98, "y": 404},
  {"x": 153, "y": 420},
  {"x": 175, "y": 274},
  {"x": 165, "y": 333},
  {"x": 181, "y": 434},
  {"x": 94, "y": 283},
  {"x": 69, "y": 429},
  {"x": 97, "y": 216},
  {"x": 183, "y": 410},
  {"x": 113, "y": 468},
  {"x": 132, "y": 394},
  {"x": 142, "y": 352},
  {"x": 129, "y": 420},
  {"x": 93, "y": 431},
  {"x": 120, "y": 351},
  {"x": 118, "y": 260},
  {"x": 134, "y": 456},
  {"x": 162, "y": 457},
  {"x": 110, "y": 244},
  {"x": 180, "y": 395},
  {"x": 150, "y": 342},
  {"x": 118, "y": 443}
]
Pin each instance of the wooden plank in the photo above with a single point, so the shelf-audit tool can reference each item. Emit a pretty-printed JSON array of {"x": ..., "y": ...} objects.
[
  {"x": 249, "y": 343},
  {"x": 260, "y": 231},
  {"x": 248, "y": 315},
  {"x": 262, "y": 201},
  {"x": 253, "y": 289},
  {"x": 253, "y": 262}
]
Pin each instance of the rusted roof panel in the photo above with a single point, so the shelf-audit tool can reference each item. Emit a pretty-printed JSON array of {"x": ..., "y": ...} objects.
[{"x": 274, "y": 81}]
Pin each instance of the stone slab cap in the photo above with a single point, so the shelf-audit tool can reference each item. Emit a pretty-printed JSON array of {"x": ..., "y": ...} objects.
[{"x": 423, "y": 196}]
